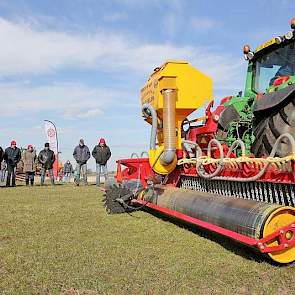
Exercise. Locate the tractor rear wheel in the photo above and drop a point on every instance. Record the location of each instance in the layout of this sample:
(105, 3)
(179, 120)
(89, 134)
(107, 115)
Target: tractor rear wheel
(268, 128)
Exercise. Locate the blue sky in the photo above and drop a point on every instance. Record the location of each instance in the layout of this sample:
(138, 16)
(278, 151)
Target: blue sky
(81, 63)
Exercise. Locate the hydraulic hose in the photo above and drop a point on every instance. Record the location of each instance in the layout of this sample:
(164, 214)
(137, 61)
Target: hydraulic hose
(169, 97)
(149, 111)
(186, 143)
(237, 143)
(199, 167)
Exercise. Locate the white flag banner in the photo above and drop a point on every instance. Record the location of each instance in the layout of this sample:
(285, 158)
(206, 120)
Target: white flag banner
(51, 135)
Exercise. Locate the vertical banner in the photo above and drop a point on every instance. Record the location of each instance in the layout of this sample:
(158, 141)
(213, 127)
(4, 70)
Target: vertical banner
(51, 135)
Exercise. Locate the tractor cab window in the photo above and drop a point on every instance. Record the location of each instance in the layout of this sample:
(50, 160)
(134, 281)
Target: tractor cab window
(272, 65)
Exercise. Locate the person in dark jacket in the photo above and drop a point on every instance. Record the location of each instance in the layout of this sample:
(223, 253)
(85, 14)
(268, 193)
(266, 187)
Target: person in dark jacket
(46, 158)
(29, 160)
(81, 155)
(67, 170)
(101, 153)
(1, 155)
(2, 170)
(12, 156)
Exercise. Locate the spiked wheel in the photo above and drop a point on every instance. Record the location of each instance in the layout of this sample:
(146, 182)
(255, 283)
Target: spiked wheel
(111, 195)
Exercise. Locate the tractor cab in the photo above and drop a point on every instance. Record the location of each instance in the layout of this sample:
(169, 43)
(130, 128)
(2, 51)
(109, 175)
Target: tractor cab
(265, 111)
(274, 67)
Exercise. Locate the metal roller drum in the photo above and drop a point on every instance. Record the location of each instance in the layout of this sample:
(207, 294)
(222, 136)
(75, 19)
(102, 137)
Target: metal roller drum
(246, 217)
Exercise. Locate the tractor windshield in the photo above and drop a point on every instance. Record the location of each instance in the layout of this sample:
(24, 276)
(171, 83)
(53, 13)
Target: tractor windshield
(273, 64)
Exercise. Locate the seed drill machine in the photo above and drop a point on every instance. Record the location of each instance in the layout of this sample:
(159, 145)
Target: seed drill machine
(231, 171)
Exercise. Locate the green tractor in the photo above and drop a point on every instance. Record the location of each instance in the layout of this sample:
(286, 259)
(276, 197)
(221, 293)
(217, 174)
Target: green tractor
(267, 109)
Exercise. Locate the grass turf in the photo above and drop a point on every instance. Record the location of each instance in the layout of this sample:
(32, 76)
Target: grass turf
(59, 240)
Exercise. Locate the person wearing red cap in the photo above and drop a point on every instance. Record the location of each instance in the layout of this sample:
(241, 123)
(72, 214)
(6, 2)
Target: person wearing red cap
(29, 160)
(101, 153)
(12, 156)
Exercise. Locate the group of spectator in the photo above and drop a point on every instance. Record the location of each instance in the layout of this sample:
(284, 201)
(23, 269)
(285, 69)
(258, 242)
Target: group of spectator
(101, 153)
(46, 158)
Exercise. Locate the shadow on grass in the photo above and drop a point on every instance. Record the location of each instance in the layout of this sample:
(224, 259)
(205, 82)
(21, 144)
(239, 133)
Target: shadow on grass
(226, 242)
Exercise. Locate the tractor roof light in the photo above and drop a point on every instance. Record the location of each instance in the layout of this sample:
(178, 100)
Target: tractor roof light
(248, 54)
(289, 35)
(293, 23)
(279, 39)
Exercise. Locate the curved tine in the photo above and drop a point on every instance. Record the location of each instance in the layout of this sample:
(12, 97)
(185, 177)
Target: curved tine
(144, 153)
(134, 155)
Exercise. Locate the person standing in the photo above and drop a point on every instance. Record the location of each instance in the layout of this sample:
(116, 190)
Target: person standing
(2, 165)
(1, 155)
(101, 153)
(81, 155)
(3, 171)
(46, 157)
(29, 159)
(12, 156)
(60, 174)
(68, 170)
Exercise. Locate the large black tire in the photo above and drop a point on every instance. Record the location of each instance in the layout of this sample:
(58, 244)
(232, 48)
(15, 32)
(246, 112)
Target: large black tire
(269, 127)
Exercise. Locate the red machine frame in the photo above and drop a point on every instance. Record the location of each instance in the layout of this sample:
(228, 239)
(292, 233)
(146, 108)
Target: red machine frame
(140, 169)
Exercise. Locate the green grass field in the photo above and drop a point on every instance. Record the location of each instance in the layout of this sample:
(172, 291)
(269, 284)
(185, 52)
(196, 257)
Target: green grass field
(60, 241)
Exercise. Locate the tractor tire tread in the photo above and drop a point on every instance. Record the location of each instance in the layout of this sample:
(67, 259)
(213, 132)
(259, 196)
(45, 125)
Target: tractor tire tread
(268, 129)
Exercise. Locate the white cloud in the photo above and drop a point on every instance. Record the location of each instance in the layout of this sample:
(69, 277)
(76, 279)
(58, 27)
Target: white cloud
(91, 113)
(203, 24)
(69, 100)
(25, 50)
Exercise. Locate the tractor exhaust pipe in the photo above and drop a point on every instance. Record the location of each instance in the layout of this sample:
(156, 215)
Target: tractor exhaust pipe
(169, 132)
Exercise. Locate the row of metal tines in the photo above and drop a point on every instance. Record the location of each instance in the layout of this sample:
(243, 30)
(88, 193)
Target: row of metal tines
(268, 192)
